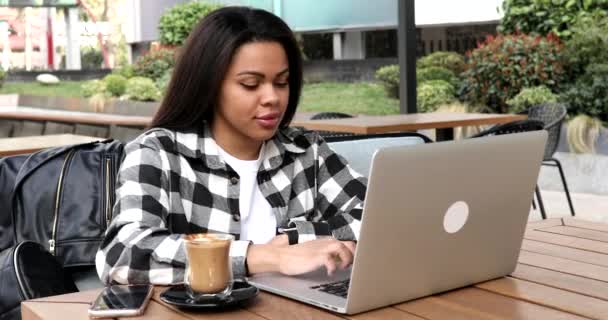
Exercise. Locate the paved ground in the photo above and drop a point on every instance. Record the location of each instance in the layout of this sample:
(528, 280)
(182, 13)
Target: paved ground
(587, 206)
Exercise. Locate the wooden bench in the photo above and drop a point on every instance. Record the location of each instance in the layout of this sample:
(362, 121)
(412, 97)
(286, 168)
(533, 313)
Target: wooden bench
(22, 121)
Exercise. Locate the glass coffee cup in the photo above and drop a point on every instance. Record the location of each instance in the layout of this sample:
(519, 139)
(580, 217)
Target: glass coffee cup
(208, 265)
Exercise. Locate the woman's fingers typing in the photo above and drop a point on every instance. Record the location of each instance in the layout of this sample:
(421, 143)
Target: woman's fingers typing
(342, 253)
(351, 245)
(330, 264)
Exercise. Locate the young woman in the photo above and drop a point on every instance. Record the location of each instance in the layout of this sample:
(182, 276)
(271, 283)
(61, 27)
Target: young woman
(220, 157)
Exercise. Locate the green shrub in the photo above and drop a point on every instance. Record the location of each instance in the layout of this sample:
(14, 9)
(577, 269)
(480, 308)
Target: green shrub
(547, 16)
(501, 66)
(389, 78)
(434, 93)
(435, 73)
(588, 44)
(449, 60)
(127, 71)
(589, 95)
(163, 82)
(115, 84)
(2, 77)
(528, 97)
(93, 87)
(154, 64)
(91, 58)
(142, 89)
(175, 24)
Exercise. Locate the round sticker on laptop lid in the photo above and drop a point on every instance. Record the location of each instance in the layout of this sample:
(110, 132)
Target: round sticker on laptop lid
(455, 217)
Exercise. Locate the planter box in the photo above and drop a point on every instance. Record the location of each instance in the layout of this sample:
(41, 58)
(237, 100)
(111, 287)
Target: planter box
(113, 106)
(70, 75)
(24, 127)
(344, 70)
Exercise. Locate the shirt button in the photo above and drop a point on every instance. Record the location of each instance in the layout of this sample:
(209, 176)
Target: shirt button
(234, 180)
(236, 217)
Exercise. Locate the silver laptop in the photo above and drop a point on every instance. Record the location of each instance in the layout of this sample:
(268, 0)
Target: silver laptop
(436, 217)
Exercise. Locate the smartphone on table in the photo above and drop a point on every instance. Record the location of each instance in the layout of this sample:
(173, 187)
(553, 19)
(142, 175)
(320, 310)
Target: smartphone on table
(121, 301)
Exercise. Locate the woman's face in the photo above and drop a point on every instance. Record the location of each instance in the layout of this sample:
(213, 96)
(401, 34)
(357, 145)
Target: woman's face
(253, 96)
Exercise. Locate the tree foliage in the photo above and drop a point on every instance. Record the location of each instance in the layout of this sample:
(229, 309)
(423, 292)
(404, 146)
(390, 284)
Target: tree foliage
(547, 16)
(175, 24)
(503, 65)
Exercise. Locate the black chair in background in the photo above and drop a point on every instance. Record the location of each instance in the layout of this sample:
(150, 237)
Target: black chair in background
(511, 127)
(515, 127)
(552, 115)
(390, 135)
(331, 115)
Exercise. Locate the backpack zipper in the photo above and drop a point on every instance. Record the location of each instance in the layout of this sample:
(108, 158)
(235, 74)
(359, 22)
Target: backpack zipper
(64, 166)
(108, 187)
(22, 292)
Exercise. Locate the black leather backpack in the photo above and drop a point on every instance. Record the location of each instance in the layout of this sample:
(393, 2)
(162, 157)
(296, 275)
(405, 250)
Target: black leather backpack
(61, 198)
(55, 206)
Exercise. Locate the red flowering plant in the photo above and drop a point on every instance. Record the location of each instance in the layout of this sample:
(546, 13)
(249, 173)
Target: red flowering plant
(154, 63)
(502, 65)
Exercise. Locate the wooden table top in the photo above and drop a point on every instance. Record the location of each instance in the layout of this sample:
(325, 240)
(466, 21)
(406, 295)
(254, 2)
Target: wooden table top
(562, 274)
(21, 145)
(362, 124)
(406, 122)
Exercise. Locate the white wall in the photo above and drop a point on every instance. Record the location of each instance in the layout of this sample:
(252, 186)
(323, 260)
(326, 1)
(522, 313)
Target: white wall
(450, 12)
(142, 18)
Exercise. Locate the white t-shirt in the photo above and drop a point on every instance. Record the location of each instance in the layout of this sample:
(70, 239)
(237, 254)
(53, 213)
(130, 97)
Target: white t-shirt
(258, 223)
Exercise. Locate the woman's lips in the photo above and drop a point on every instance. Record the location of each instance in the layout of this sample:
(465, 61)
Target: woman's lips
(268, 121)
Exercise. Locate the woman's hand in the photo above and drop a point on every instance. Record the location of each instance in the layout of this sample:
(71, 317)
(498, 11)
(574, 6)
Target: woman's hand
(300, 258)
(309, 256)
(280, 240)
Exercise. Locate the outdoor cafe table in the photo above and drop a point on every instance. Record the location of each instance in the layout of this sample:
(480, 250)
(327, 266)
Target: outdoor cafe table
(562, 274)
(443, 123)
(21, 145)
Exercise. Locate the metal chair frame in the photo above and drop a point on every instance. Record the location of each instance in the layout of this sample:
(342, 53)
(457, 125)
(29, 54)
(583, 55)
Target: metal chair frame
(552, 115)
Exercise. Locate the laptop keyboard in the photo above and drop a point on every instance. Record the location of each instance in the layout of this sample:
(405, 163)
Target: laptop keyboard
(339, 288)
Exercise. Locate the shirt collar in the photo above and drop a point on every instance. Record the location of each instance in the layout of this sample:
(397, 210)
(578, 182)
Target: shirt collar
(201, 145)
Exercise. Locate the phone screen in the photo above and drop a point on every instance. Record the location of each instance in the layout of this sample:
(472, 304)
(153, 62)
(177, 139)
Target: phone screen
(126, 298)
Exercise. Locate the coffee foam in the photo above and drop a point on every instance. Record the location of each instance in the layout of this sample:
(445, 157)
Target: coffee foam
(204, 239)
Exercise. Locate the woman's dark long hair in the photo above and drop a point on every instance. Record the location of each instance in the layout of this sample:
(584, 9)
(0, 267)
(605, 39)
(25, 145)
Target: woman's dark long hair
(197, 78)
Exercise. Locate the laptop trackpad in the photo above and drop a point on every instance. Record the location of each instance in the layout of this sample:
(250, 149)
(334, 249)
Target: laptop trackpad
(300, 287)
(306, 280)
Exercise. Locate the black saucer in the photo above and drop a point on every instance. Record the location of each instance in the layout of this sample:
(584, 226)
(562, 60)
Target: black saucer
(241, 292)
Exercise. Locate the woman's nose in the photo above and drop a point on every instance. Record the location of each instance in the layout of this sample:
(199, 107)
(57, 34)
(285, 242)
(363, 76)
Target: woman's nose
(269, 95)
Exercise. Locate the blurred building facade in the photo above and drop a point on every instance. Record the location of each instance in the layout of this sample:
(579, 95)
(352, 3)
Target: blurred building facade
(347, 29)
(56, 34)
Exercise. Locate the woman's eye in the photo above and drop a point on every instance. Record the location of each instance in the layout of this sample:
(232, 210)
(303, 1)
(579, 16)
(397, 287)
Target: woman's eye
(249, 86)
(281, 84)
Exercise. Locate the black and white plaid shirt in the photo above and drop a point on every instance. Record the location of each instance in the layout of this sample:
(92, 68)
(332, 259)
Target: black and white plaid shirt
(174, 183)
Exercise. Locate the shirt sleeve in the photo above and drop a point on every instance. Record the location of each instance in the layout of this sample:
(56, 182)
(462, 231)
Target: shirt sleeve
(138, 246)
(339, 200)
